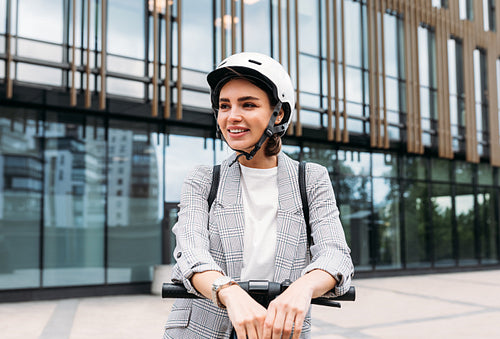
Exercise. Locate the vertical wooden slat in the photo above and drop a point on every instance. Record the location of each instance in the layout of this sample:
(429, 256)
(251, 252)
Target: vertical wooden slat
(336, 72)
(440, 97)
(493, 104)
(222, 28)
(328, 72)
(409, 79)
(233, 26)
(371, 76)
(8, 51)
(73, 54)
(288, 37)
(102, 94)
(88, 100)
(298, 127)
(179, 59)
(385, 142)
(345, 134)
(242, 25)
(279, 32)
(154, 103)
(168, 60)
(419, 148)
(377, 73)
(289, 61)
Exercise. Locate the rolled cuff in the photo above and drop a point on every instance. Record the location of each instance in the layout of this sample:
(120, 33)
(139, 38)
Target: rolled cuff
(185, 268)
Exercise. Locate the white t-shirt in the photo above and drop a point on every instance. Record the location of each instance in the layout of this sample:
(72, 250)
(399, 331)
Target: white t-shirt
(260, 205)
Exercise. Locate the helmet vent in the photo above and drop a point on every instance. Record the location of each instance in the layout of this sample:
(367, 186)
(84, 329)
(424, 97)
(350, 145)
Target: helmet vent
(255, 62)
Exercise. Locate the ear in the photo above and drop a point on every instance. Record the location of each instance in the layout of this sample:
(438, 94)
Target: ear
(280, 117)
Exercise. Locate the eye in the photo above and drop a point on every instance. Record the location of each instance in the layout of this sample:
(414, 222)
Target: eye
(249, 105)
(223, 106)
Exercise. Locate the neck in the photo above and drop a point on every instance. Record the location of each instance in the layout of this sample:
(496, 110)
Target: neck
(260, 160)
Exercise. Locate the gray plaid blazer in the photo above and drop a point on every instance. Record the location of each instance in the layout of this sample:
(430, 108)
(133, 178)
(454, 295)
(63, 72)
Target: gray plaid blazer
(219, 246)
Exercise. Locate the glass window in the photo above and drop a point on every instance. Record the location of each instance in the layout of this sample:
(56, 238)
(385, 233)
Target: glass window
(180, 161)
(134, 228)
(353, 33)
(353, 163)
(33, 16)
(259, 11)
(489, 15)
(441, 170)
(385, 165)
(197, 37)
(488, 226)
(463, 172)
(125, 28)
(308, 26)
(321, 154)
(21, 162)
(354, 202)
(457, 94)
(428, 84)
(485, 174)
(415, 168)
(417, 232)
(464, 202)
(395, 77)
(441, 211)
(481, 104)
(74, 201)
(386, 222)
(466, 10)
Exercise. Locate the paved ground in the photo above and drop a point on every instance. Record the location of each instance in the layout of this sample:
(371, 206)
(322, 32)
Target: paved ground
(454, 305)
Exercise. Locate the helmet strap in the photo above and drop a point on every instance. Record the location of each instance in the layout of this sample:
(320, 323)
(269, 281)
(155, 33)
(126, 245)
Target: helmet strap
(268, 132)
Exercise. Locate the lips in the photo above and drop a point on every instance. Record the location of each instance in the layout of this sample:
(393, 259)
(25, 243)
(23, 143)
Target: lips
(237, 130)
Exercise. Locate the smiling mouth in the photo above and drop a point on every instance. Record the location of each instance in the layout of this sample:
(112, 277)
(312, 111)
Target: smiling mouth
(236, 131)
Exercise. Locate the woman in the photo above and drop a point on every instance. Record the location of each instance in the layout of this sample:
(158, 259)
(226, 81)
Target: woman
(255, 228)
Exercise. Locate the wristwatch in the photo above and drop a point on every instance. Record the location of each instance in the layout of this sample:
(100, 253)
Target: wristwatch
(219, 284)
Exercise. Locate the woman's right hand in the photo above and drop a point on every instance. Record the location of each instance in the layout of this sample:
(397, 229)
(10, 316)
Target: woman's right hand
(246, 315)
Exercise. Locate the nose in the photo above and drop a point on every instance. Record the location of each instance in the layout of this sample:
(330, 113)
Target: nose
(234, 114)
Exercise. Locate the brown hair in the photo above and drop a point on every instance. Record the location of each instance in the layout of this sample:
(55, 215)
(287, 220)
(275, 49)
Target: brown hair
(273, 145)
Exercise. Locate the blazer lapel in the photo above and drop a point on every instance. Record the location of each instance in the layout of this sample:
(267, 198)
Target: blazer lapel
(230, 217)
(290, 220)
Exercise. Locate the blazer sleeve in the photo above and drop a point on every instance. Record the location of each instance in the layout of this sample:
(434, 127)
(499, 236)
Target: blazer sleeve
(330, 251)
(192, 251)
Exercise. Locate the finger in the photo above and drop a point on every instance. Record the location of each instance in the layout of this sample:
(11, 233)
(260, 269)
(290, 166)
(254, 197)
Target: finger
(288, 325)
(251, 332)
(268, 323)
(279, 320)
(240, 332)
(299, 322)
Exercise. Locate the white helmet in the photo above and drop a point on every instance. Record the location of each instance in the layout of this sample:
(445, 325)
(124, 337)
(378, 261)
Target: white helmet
(262, 70)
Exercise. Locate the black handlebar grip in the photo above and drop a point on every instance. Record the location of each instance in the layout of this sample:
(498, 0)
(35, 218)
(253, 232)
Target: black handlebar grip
(348, 296)
(170, 290)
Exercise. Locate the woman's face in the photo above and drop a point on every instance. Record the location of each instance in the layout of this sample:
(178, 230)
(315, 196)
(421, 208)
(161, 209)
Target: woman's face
(244, 112)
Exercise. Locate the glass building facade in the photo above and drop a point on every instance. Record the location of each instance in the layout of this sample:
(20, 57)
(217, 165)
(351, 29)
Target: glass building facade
(104, 109)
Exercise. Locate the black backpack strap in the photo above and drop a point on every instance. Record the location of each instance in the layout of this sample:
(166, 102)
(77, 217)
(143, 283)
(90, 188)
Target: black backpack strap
(303, 197)
(214, 187)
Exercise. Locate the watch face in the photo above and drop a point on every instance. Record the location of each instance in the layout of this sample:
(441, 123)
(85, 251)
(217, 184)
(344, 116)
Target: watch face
(221, 281)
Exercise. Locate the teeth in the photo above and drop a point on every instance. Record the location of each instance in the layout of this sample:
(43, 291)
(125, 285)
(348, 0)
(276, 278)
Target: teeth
(236, 130)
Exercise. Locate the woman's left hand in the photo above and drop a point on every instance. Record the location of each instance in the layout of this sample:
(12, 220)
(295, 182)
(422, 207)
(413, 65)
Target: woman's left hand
(288, 311)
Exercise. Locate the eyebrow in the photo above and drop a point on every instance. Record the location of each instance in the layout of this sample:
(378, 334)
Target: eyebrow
(249, 97)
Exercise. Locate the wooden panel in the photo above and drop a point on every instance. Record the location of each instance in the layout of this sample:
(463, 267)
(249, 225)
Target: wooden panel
(329, 73)
(168, 61)
(102, 93)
